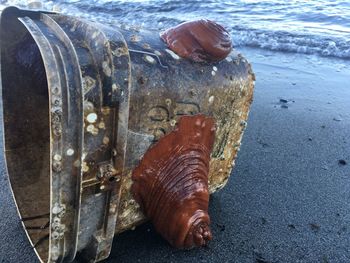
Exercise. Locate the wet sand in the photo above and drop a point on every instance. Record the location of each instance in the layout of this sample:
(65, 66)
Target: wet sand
(288, 199)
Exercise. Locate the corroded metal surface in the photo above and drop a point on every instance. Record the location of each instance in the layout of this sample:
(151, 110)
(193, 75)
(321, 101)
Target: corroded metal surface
(82, 104)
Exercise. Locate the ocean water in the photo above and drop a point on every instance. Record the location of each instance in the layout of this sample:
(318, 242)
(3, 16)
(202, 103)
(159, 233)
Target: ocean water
(319, 27)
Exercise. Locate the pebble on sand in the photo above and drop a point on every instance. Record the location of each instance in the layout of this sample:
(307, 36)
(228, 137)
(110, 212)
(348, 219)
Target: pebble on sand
(342, 162)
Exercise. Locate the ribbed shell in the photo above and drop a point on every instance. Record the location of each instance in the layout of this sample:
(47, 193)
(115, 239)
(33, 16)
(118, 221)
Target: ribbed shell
(201, 40)
(171, 182)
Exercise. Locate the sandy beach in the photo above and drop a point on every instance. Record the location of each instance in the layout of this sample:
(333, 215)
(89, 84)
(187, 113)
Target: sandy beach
(288, 198)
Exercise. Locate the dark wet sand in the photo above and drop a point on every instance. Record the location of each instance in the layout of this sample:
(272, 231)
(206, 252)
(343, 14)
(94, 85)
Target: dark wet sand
(288, 199)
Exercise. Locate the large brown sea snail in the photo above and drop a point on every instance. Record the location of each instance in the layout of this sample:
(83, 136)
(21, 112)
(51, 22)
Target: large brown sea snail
(171, 182)
(201, 41)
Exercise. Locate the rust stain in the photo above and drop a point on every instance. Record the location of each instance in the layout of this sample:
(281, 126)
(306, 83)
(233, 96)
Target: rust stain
(171, 182)
(201, 40)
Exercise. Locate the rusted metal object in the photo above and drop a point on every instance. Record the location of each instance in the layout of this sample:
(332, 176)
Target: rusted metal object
(82, 104)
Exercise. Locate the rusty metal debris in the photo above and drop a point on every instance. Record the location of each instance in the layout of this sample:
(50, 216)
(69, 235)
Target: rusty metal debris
(82, 103)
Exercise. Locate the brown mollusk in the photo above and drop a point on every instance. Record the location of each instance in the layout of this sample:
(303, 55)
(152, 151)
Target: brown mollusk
(171, 182)
(201, 41)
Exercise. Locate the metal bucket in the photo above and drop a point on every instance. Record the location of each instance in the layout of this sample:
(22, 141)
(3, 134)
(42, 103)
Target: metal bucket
(82, 102)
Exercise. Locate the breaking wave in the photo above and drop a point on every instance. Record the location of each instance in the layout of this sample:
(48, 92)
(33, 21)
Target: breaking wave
(312, 27)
